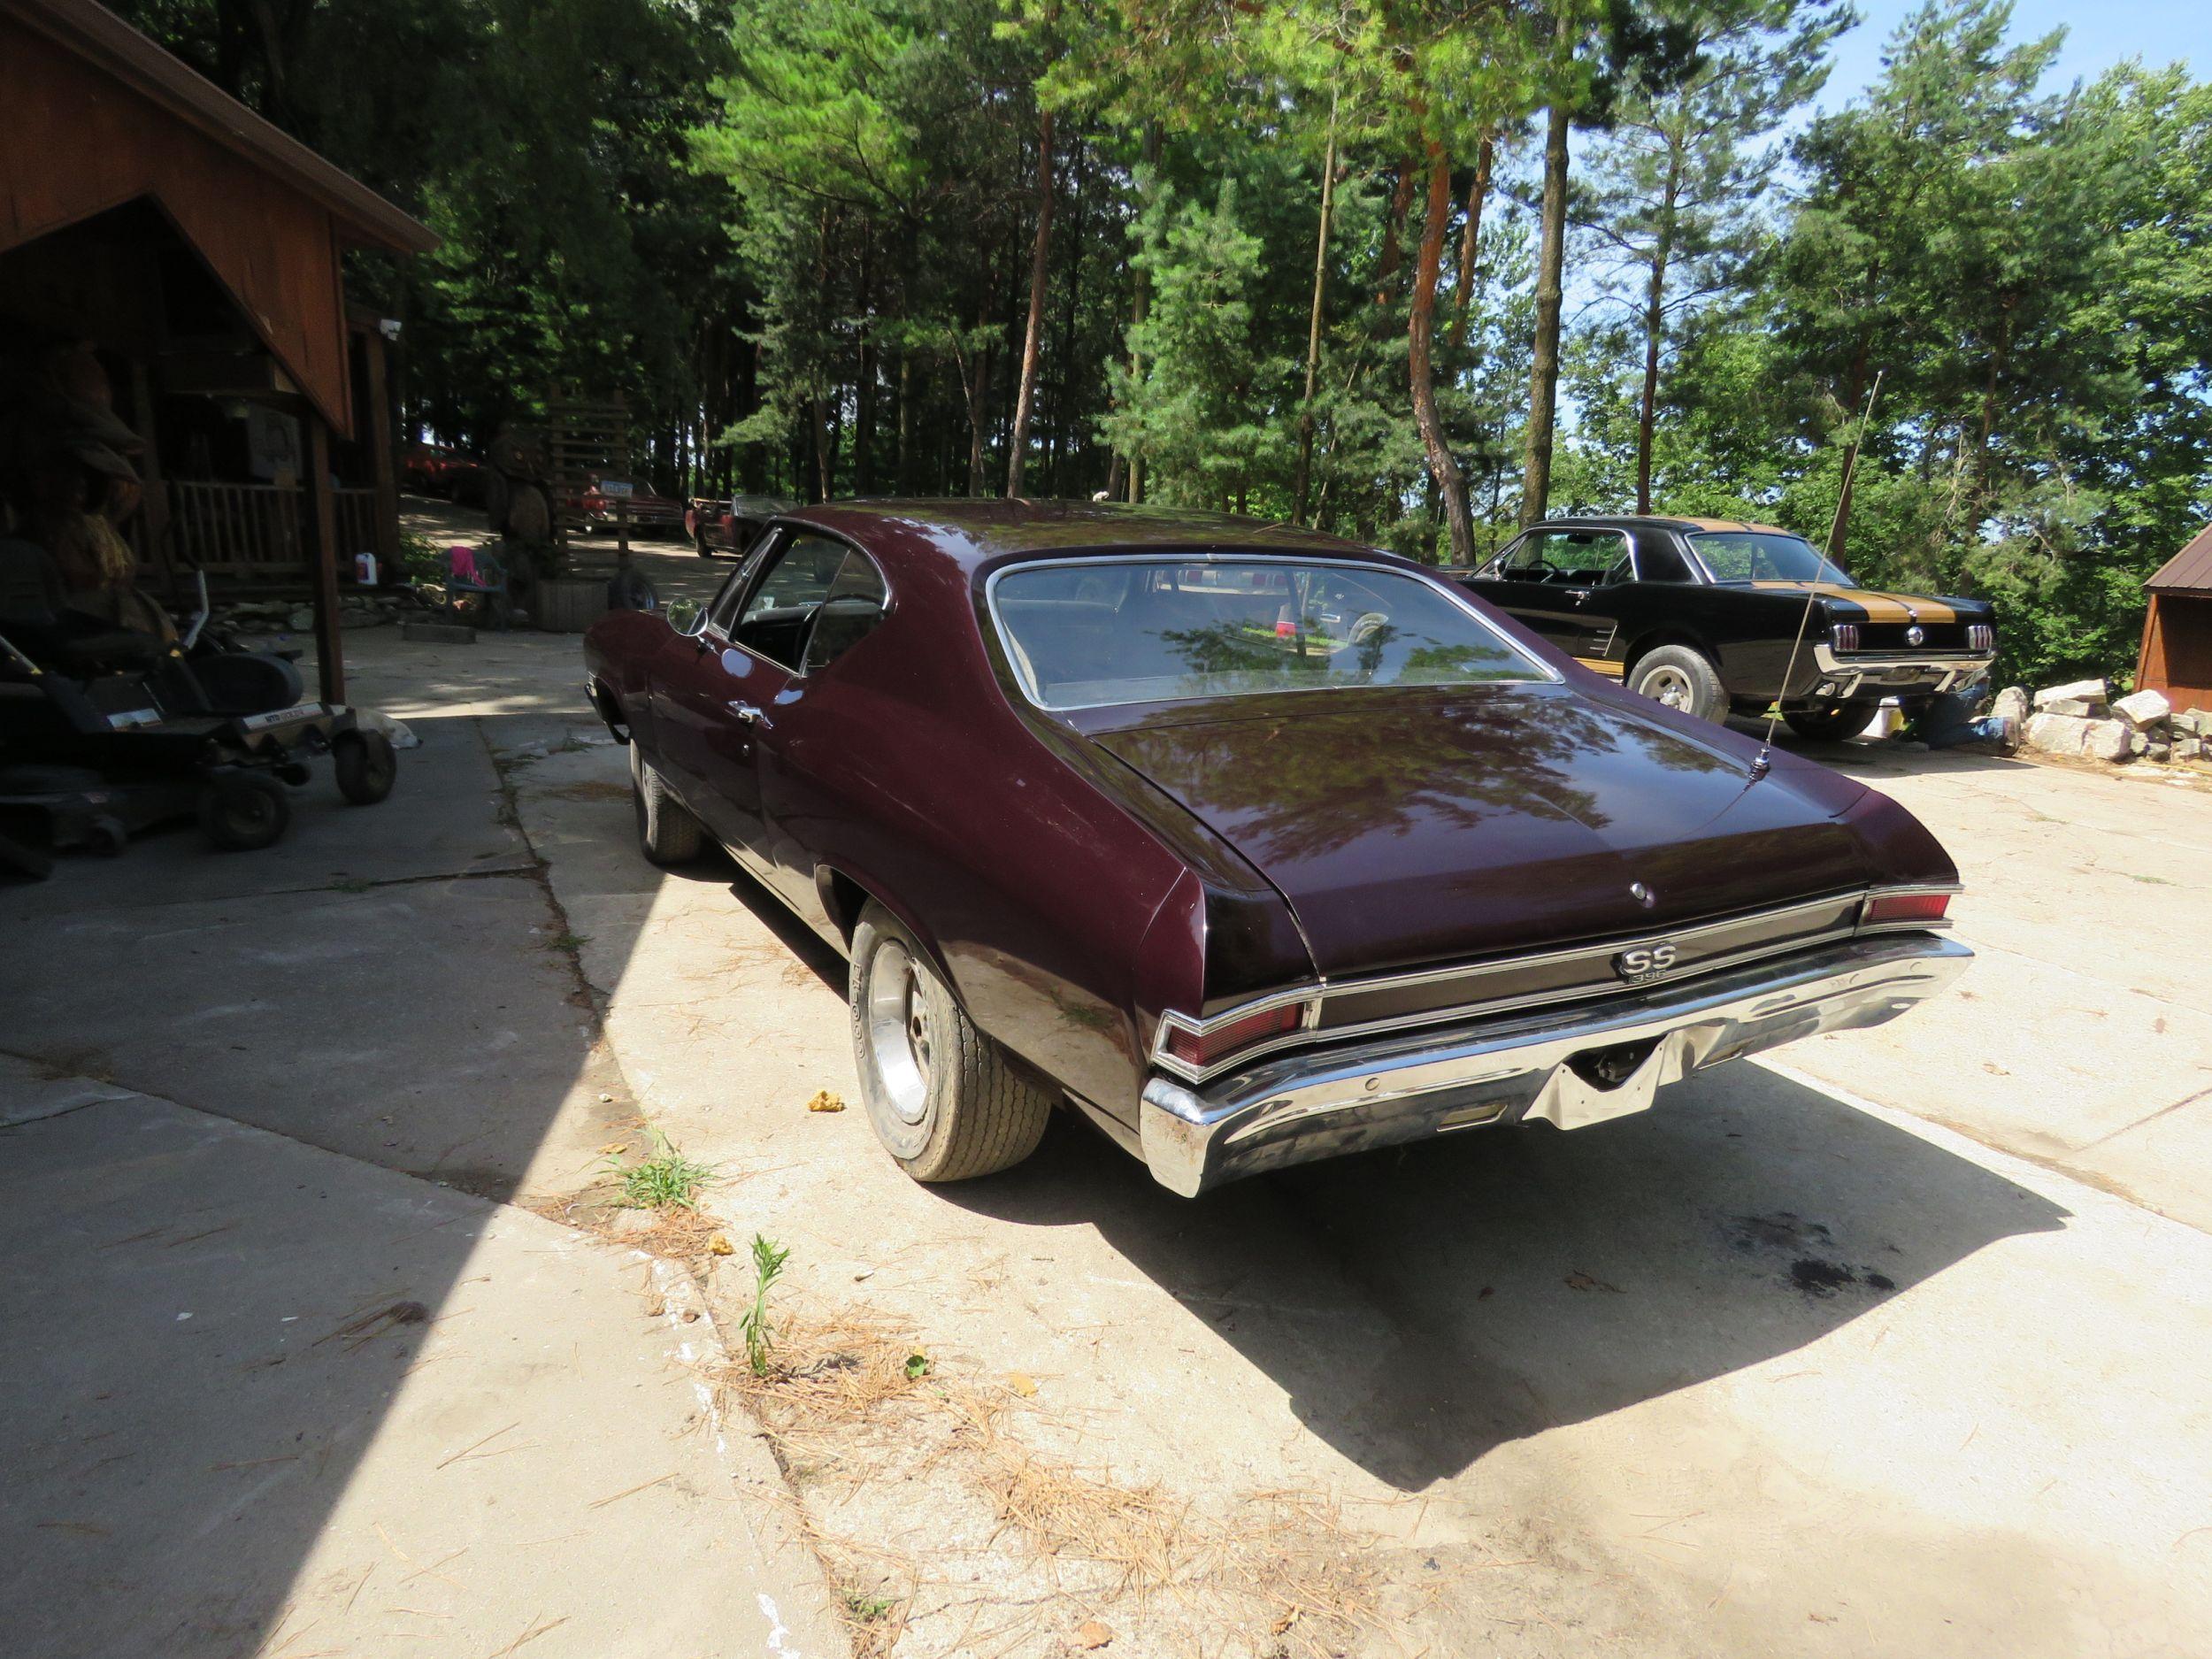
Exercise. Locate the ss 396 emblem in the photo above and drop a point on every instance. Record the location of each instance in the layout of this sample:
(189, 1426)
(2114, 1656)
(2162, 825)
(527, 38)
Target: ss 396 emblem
(1640, 964)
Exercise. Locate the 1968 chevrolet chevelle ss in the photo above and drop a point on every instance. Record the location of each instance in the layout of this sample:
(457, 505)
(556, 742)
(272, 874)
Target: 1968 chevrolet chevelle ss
(1253, 845)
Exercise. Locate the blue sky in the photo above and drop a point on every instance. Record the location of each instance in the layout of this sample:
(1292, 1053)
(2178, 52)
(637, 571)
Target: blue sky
(2098, 36)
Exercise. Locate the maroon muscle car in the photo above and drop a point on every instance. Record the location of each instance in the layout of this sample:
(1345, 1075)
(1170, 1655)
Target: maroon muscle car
(1252, 845)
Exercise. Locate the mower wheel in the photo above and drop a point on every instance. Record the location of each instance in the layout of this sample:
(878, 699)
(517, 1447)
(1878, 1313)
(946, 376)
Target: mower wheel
(365, 766)
(243, 811)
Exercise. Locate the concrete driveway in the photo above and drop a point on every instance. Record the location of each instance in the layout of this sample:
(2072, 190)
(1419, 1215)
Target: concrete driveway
(1895, 1346)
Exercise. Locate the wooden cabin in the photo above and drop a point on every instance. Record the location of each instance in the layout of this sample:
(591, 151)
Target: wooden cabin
(171, 261)
(2176, 652)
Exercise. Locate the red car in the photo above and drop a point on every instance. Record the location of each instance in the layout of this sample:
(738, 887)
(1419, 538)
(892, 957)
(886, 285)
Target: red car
(433, 469)
(729, 524)
(611, 502)
(1251, 845)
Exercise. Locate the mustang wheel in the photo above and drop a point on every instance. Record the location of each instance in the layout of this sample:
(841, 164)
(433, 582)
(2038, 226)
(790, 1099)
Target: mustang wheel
(1832, 724)
(944, 1099)
(1681, 678)
(666, 830)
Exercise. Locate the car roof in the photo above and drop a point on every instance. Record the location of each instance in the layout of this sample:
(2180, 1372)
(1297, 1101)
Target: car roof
(1656, 520)
(974, 532)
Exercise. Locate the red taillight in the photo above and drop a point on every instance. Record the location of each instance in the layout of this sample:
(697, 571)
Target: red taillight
(1202, 1050)
(1285, 628)
(1905, 907)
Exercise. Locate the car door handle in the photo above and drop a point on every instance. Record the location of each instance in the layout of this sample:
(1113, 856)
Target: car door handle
(1579, 593)
(750, 714)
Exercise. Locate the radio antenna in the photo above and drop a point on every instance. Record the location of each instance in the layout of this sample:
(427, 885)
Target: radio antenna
(1761, 762)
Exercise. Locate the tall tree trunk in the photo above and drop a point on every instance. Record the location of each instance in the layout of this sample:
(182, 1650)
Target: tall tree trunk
(1471, 242)
(1313, 322)
(1393, 248)
(1855, 387)
(1033, 333)
(906, 422)
(1420, 339)
(1648, 411)
(864, 394)
(1140, 308)
(1064, 435)
(1543, 380)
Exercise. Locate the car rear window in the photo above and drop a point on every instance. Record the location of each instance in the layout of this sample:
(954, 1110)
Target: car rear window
(1764, 555)
(1146, 630)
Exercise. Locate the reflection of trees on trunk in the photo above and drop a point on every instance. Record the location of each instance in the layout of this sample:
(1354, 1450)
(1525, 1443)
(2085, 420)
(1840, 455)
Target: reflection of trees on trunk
(1296, 788)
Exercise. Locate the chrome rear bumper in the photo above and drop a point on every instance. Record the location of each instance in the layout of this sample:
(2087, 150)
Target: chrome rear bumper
(1571, 1066)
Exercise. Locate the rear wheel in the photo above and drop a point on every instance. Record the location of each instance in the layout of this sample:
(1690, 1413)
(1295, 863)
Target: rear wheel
(1682, 679)
(944, 1099)
(243, 811)
(667, 832)
(1833, 723)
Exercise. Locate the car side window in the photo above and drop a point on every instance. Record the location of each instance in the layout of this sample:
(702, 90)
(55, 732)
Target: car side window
(1562, 555)
(1623, 568)
(849, 615)
(798, 579)
(722, 610)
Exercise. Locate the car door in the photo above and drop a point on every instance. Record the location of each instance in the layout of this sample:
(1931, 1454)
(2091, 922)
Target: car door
(720, 701)
(810, 756)
(1548, 576)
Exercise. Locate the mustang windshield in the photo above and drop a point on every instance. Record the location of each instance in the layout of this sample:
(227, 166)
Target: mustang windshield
(1145, 630)
(1762, 556)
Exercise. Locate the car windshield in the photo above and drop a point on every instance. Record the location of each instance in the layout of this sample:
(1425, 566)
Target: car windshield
(1145, 630)
(1765, 556)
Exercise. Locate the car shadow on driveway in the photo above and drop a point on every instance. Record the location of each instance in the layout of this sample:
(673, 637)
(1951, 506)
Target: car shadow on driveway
(1423, 1305)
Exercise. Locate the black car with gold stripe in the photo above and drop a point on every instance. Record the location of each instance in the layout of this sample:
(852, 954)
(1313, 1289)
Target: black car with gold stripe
(1705, 616)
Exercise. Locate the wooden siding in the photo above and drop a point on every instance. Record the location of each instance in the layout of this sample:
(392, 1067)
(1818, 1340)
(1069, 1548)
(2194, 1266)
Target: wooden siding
(74, 143)
(2176, 654)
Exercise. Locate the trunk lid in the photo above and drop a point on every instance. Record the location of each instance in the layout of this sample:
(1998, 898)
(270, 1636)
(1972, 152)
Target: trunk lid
(1429, 826)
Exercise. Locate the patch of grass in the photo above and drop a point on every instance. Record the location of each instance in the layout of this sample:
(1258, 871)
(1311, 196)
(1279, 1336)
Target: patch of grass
(768, 1260)
(867, 1609)
(352, 884)
(667, 1180)
(569, 942)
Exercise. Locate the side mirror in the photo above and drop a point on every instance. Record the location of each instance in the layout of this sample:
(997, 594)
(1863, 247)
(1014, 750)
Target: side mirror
(685, 616)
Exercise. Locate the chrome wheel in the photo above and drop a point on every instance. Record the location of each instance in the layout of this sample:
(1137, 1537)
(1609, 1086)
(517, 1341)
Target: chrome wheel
(1669, 685)
(900, 1038)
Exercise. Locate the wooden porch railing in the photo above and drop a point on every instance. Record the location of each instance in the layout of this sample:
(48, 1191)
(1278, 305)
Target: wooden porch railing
(256, 531)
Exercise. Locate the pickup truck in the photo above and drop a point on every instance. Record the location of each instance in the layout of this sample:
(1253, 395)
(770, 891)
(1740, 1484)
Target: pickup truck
(1716, 617)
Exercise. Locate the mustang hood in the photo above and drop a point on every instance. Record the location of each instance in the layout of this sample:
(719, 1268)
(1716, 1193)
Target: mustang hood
(1428, 826)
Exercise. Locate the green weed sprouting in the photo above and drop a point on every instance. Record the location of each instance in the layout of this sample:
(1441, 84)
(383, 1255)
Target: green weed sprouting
(768, 1260)
(667, 1180)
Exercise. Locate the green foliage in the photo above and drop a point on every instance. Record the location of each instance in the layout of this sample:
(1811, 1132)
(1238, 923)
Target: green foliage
(667, 1180)
(768, 1260)
(796, 233)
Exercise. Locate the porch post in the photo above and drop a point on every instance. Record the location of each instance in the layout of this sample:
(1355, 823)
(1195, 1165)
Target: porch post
(323, 569)
(380, 455)
(153, 502)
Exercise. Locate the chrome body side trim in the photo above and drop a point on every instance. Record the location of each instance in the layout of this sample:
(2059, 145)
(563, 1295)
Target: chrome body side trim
(1817, 921)
(1603, 1061)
